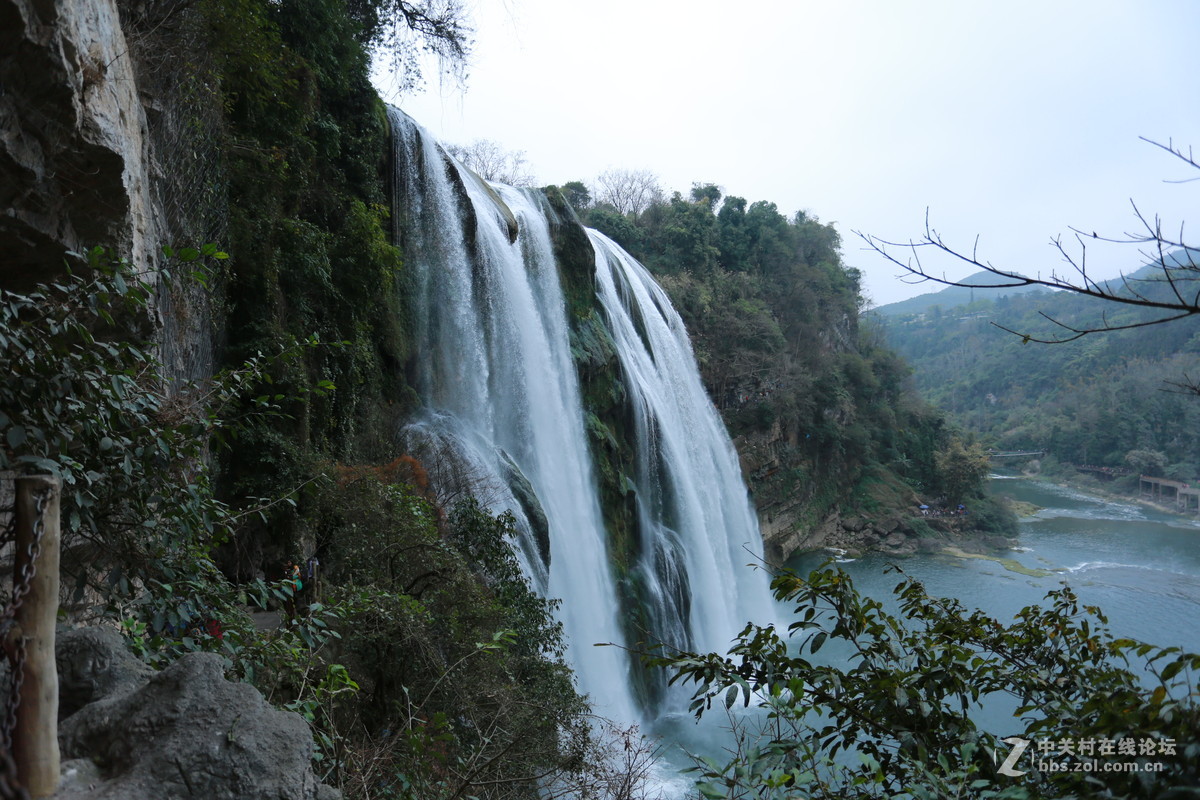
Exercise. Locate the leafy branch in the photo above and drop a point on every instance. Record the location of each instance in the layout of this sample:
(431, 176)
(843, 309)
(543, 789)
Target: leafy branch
(900, 692)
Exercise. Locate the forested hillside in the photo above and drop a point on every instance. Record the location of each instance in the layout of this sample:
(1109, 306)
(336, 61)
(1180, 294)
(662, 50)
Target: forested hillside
(1119, 399)
(822, 409)
(195, 488)
(960, 294)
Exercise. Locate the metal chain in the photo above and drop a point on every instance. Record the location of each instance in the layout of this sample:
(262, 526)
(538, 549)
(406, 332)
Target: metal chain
(22, 583)
(15, 652)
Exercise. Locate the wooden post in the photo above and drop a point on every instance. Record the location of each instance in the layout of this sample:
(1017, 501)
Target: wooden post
(35, 738)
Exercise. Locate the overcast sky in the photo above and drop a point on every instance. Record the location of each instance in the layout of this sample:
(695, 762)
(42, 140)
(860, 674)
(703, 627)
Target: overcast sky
(1012, 121)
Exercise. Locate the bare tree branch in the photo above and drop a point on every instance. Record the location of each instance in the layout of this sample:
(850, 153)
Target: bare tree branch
(1188, 385)
(490, 161)
(629, 191)
(1178, 270)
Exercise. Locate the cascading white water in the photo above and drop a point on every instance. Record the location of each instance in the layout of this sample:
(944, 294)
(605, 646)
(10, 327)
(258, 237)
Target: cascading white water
(702, 531)
(497, 376)
(500, 389)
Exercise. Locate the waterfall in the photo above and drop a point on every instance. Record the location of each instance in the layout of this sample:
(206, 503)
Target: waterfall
(692, 501)
(502, 399)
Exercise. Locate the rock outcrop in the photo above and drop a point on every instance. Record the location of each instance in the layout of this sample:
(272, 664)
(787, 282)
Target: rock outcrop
(79, 166)
(93, 663)
(73, 155)
(183, 732)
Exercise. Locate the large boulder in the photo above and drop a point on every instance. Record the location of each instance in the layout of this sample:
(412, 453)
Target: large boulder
(94, 663)
(187, 732)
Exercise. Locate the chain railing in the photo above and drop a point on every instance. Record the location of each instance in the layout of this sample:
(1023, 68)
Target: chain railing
(14, 646)
(29, 758)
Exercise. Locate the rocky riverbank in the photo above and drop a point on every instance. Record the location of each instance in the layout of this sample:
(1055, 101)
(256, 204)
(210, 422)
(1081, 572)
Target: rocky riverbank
(894, 535)
(1106, 489)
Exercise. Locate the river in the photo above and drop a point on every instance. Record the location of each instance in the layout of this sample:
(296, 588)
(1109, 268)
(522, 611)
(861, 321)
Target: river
(1141, 567)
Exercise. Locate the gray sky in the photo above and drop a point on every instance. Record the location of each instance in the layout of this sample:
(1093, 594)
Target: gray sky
(1012, 120)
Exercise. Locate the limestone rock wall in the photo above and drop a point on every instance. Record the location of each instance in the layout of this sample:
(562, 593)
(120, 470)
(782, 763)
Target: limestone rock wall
(798, 511)
(74, 163)
(82, 164)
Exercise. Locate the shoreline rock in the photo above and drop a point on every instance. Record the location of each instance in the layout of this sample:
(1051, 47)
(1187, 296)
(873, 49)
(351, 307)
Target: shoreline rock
(891, 535)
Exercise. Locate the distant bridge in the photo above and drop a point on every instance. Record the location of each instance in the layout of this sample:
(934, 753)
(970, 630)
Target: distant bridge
(1185, 498)
(1017, 454)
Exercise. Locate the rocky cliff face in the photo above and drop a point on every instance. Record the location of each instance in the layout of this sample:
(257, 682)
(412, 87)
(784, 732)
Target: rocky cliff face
(78, 164)
(800, 510)
(74, 164)
(78, 170)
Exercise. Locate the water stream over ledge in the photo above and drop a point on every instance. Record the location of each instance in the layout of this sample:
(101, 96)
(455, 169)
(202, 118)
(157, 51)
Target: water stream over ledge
(501, 397)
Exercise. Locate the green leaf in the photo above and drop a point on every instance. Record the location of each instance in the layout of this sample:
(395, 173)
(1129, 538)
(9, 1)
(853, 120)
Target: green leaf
(42, 463)
(16, 436)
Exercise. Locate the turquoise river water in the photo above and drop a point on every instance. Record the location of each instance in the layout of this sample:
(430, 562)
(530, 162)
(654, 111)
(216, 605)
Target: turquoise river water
(1141, 567)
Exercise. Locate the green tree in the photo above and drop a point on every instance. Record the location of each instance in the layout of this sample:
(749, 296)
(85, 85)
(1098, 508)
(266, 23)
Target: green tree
(891, 712)
(961, 469)
(576, 193)
(771, 250)
(681, 235)
(1147, 462)
(708, 194)
(616, 226)
(733, 238)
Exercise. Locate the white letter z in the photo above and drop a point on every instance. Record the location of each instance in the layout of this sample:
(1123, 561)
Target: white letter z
(1019, 746)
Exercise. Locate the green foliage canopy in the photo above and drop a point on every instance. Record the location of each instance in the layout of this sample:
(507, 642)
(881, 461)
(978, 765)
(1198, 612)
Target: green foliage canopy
(773, 313)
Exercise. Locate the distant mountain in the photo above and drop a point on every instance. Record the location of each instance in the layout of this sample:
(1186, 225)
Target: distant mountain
(1187, 259)
(1105, 399)
(953, 296)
